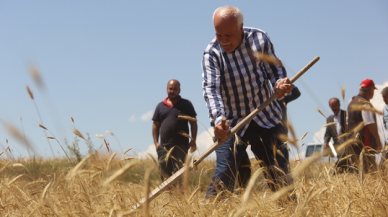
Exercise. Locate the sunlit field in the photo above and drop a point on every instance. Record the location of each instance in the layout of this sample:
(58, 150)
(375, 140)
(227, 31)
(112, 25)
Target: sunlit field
(103, 182)
(110, 184)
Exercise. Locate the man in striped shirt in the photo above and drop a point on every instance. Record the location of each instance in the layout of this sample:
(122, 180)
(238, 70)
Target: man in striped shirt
(235, 82)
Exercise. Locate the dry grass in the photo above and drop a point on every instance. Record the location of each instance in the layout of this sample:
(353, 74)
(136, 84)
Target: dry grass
(102, 185)
(92, 188)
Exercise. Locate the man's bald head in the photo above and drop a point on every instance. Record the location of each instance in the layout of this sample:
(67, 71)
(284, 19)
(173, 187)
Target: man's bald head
(334, 100)
(229, 12)
(334, 104)
(228, 25)
(173, 89)
(173, 81)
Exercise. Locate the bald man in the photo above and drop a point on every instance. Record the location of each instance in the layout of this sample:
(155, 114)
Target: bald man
(335, 131)
(235, 82)
(169, 126)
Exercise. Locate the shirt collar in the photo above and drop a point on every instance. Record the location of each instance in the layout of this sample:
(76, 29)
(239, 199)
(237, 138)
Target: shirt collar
(168, 104)
(338, 116)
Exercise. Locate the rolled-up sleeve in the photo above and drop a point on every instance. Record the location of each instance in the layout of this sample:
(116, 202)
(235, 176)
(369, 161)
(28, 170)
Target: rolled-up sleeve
(211, 85)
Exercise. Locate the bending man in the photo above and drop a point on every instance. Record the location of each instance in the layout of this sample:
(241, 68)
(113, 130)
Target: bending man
(234, 84)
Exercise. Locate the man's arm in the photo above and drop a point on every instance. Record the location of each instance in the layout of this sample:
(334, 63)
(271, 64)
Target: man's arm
(155, 133)
(373, 130)
(295, 94)
(211, 85)
(327, 137)
(193, 129)
(276, 72)
(370, 123)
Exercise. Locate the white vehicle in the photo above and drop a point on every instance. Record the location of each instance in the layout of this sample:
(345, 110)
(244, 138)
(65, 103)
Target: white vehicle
(313, 148)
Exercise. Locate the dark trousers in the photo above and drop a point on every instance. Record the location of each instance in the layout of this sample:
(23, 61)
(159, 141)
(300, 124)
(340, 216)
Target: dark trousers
(169, 166)
(342, 165)
(229, 157)
(368, 159)
(244, 170)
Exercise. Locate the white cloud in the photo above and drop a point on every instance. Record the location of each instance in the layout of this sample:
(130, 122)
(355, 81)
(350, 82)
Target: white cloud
(150, 150)
(147, 116)
(204, 141)
(319, 135)
(377, 100)
(132, 118)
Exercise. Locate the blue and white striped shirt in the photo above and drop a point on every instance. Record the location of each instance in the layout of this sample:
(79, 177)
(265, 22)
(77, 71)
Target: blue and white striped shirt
(236, 83)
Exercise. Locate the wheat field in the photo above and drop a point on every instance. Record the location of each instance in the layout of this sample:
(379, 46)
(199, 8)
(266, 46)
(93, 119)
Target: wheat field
(108, 183)
(104, 184)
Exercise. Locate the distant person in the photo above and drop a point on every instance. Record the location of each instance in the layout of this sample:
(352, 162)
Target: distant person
(335, 131)
(384, 93)
(368, 135)
(167, 125)
(234, 84)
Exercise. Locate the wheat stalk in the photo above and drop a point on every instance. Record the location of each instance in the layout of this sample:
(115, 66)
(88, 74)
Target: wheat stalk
(185, 135)
(250, 185)
(110, 160)
(168, 155)
(107, 145)
(128, 158)
(15, 179)
(73, 172)
(269, 59)
(186, 117)
(127, 151)
(45, 191)
(120, 172)
(34, 72)
(366, 108)
(30, 93)
(329, 124)
(304, 135)
(321, 112)
(78, 133)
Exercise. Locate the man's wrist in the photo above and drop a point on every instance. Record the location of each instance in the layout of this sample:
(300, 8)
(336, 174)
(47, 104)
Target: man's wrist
(218, 120)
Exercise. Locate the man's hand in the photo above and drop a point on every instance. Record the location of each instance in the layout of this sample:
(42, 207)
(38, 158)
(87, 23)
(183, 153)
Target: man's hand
(282, 87)
(157, 144)
(193, 146)
(220, 132)
(325, 146)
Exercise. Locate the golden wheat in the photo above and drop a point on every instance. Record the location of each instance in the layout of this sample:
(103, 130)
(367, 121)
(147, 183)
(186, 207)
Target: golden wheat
(78, 133)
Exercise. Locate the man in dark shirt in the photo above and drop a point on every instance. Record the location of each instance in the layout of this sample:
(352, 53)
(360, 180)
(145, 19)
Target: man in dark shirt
(171, 128)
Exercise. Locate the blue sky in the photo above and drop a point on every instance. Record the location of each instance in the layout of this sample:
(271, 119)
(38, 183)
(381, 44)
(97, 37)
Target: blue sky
(106, 64)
